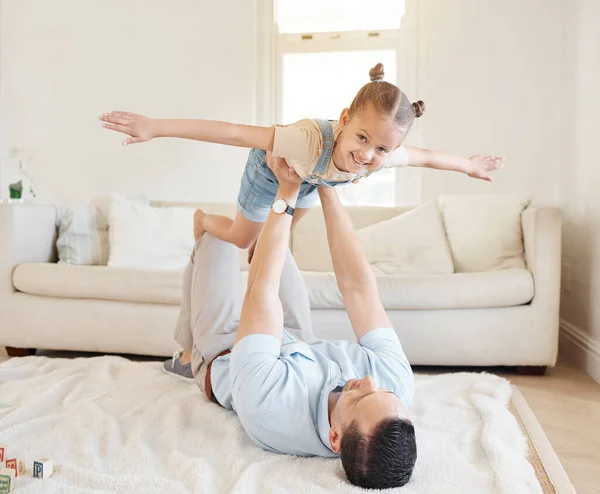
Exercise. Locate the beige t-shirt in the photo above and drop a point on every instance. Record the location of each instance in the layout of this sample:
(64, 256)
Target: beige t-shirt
(301, 144)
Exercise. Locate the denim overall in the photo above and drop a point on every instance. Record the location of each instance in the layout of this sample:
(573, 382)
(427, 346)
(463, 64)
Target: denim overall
(259, 184)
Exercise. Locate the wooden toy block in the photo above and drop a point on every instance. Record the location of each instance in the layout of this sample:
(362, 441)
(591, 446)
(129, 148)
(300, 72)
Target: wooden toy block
(2, 450)
(17, 464)
(7, 480)
(42, 469)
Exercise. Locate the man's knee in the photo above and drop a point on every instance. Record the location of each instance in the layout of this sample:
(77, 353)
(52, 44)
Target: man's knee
(212, 246)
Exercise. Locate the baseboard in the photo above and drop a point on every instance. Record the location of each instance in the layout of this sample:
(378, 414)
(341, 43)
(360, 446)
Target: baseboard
(580, 348)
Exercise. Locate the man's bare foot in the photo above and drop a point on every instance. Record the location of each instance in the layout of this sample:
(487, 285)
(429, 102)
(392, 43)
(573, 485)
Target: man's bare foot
(185, 357)
(199, 223)
(251, 251)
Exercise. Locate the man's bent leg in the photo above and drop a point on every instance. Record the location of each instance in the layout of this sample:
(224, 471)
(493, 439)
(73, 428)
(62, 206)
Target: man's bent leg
(183, 328)
(215, 299)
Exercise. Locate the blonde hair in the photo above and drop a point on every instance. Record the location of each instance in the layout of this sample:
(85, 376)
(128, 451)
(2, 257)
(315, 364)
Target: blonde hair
(387, 100)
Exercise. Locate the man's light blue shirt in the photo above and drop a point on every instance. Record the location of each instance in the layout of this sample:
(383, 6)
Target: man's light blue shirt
(280, 391)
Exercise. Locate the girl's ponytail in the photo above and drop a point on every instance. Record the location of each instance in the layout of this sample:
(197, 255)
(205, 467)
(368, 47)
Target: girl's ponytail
(387, 99)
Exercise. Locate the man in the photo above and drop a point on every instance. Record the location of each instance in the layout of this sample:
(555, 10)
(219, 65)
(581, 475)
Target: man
(295, 394)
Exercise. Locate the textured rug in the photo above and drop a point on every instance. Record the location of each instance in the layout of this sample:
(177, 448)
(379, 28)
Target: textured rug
(113, 425)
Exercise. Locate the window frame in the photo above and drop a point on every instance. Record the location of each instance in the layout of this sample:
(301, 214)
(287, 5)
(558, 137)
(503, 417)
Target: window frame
(271, 46)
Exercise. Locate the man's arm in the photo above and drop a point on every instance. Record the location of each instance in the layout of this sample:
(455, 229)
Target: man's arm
(355, 278)
(477, 166)
(261, 311)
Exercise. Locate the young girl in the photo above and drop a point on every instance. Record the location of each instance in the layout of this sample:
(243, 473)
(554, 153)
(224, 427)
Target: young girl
(322, 153)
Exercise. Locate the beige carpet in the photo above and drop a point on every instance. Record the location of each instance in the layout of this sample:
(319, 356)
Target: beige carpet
(551, 475)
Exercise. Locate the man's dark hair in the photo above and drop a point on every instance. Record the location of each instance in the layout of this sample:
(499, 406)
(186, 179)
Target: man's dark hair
(382, 459)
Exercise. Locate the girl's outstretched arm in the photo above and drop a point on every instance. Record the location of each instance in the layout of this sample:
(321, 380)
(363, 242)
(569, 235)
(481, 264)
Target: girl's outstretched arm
(140, 129)
(477, 166)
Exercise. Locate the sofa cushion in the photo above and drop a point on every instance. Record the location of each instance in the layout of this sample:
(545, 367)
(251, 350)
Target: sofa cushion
(505, 288)
(99, 282)
(146, 237)
(454, 291)
(309, 238)
(484, 231)
(82, 235)
(412, 243)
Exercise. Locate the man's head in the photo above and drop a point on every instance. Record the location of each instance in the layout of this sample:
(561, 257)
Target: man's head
(371, 431)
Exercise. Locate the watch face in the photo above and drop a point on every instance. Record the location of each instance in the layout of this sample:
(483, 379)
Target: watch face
(279, 206)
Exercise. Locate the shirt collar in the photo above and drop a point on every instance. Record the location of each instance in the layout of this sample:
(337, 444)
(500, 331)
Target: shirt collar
(323, 424)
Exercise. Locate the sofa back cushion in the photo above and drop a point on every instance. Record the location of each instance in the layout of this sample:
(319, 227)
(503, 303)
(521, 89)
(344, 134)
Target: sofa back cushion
(146, 237)
(484, 231)
(309, 239)
(82, 235)
(411, 243)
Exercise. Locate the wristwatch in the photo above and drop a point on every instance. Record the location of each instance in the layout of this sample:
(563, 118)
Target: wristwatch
(279, 206)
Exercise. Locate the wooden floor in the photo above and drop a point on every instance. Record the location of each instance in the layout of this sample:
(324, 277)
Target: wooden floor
(566, 402)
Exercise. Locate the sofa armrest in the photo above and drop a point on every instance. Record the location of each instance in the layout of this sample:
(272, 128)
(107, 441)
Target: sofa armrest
(542, 241)
(27, 234)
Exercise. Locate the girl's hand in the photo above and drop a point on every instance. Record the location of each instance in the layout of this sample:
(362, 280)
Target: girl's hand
(481, 164)
(138, 127)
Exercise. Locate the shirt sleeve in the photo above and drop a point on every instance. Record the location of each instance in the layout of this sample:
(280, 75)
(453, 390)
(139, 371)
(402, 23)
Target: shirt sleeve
(301, 142)
(391, 360)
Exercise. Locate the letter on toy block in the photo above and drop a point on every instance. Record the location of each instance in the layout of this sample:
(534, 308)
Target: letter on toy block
(17, 465)
(2, 450)
(7, 480)
(42, 469)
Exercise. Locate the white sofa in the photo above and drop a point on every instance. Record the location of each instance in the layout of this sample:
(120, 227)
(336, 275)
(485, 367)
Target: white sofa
(503, 317)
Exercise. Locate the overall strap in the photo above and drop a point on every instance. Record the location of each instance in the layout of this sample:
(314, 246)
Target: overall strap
(327, 132)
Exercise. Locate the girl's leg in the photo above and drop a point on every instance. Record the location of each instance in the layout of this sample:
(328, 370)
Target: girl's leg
(239, 231)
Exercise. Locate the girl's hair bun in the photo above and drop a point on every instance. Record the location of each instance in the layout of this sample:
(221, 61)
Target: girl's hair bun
(418, 107)
(377, 73)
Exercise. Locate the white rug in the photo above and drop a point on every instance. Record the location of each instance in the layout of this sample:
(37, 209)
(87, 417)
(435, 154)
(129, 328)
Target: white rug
(112, 425)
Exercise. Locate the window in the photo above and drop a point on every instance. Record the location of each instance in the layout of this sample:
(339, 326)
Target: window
(324, 50)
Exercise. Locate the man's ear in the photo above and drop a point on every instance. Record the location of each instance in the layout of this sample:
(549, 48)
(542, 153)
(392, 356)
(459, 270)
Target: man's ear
(335, 439)
(344, 117)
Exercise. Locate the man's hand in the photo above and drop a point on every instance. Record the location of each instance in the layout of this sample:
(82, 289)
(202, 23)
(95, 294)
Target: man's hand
(480, 164)
(138, 127)
(283, 172)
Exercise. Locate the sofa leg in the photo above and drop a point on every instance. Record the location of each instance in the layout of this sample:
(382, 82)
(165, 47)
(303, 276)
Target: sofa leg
(19, 352)
(531, 370)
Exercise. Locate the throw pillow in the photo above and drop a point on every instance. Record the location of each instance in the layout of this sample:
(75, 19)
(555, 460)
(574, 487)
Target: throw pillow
(142, 236)
(484, 231)
(411, 243)
(82, 236)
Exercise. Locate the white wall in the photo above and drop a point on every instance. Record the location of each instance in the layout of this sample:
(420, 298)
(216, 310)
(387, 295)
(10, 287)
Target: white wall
(63, 62)
(489, 75)
(580, 182)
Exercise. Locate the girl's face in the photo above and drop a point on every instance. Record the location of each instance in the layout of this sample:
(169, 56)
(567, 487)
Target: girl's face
(366, 141)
